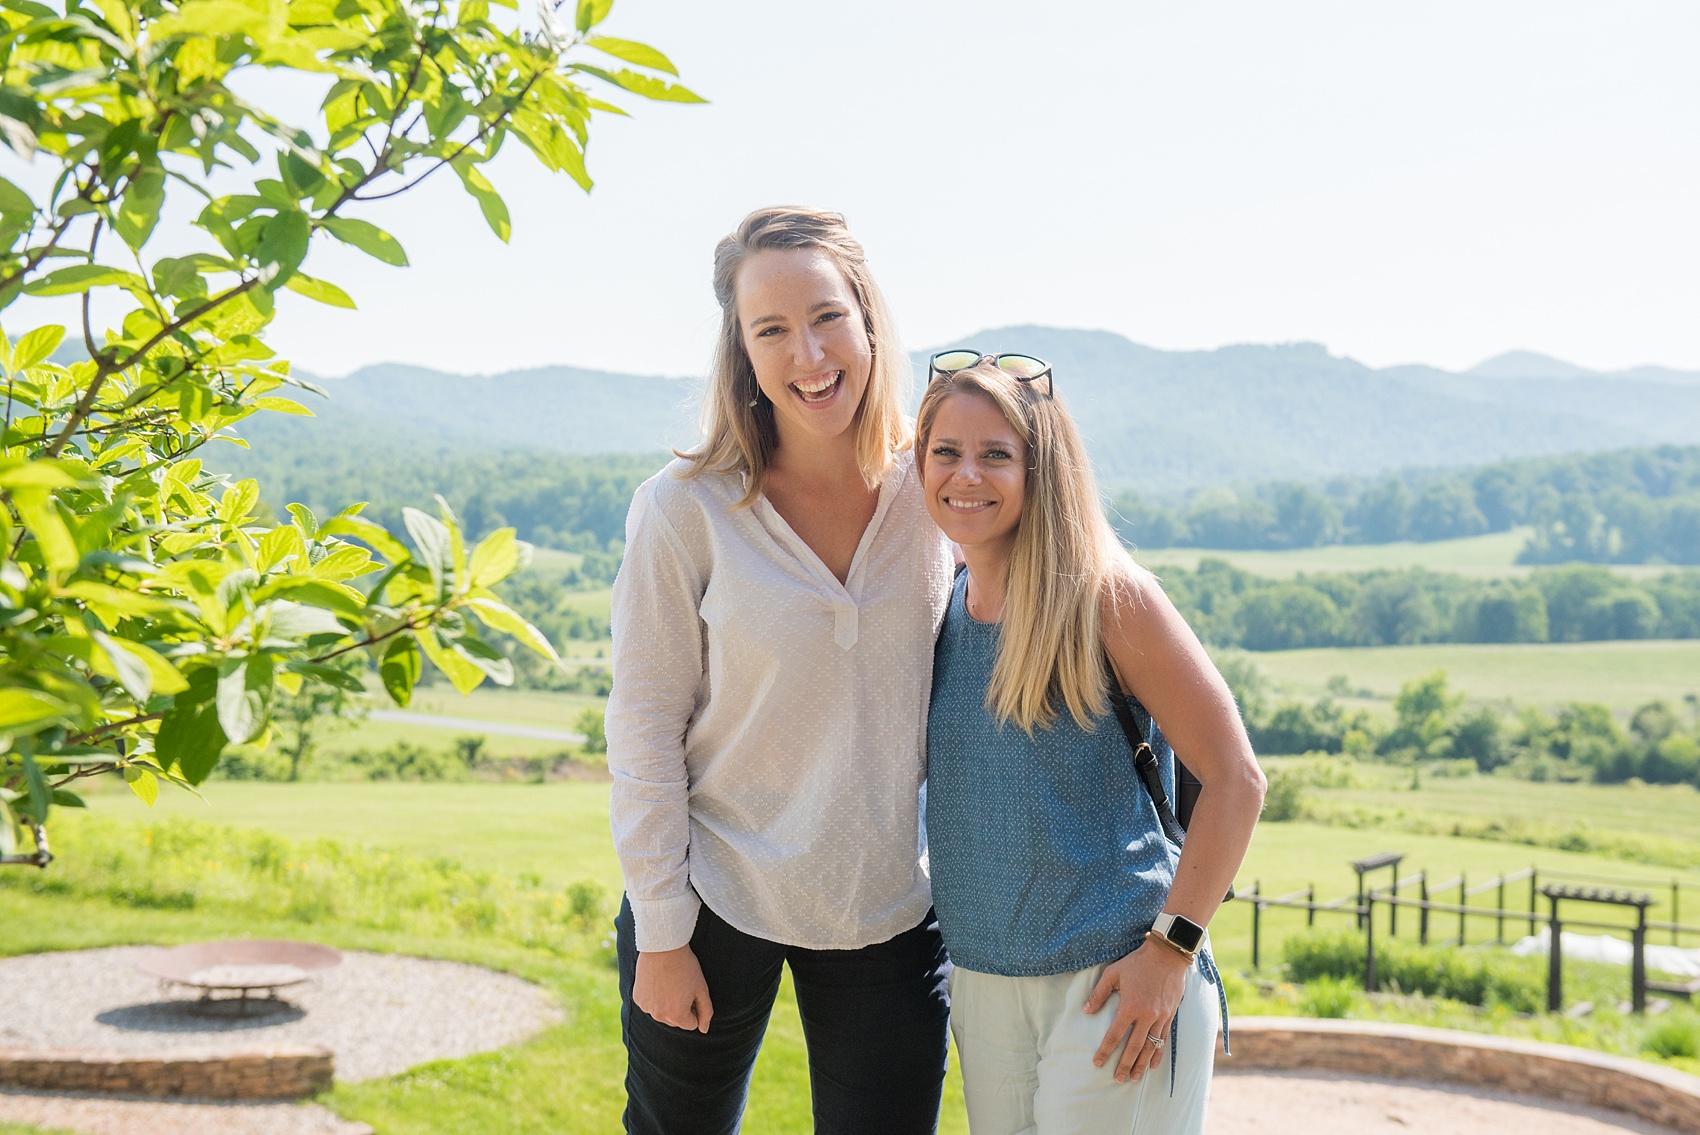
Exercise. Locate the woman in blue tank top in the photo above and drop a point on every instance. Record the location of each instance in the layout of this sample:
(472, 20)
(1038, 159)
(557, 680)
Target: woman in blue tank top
(1075, 923)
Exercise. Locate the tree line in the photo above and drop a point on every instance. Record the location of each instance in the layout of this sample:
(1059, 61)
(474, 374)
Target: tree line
(1435, 726)
(1625, 506)
(1229, 606)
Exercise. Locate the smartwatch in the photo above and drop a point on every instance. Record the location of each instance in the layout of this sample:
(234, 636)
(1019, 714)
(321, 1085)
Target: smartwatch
(1180, 930)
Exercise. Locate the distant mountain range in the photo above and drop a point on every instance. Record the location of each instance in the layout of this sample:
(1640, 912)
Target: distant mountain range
(1160, 421)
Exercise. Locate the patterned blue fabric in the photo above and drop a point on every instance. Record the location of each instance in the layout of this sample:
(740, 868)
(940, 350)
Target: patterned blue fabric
(1046, 852)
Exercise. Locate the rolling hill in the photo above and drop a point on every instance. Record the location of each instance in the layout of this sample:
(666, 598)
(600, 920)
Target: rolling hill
(1161, 421)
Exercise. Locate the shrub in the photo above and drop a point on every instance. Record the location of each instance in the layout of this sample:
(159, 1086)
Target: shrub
(1331, 997)
(1674, 1037)
(1471, 976)
(1285, 800)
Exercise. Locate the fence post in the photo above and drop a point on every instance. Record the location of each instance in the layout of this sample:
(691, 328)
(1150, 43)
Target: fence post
(1499, 929)
(1360, 900)
(1392, 907)
(1368, 910)
(1310, 911)
(1463, 902)
(1532, 893)
(1422, 911)
(1555, 962)
(1638, 965)
(1675, 911)
(1256, 919)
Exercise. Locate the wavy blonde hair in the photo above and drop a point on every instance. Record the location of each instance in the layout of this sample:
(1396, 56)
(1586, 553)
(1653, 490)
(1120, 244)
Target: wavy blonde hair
(740, 438)
(1050, 646)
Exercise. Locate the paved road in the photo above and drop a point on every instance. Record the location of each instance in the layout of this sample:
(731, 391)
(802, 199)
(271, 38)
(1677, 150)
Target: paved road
(475, 725)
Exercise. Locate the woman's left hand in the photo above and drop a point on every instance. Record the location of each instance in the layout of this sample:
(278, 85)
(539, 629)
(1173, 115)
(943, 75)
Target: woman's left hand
(1148, 984)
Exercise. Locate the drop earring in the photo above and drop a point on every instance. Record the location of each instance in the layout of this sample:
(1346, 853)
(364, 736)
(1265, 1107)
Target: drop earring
(754, 402)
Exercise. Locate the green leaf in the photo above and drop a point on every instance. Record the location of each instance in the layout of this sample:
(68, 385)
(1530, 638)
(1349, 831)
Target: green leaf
(58, 548)
(495, 210)
(333, 597)
(329, 675)
(431, 537)
(284, 405)
(278, 545)
(368, 238)
(36, 346)
(8, 828)
(239, 501)
(14, 200)
(322, 291)
(190, 738)
(462, 672)
(65, 798)
(495, 558)
(40, 792)
(143, 783)
(132, 673)
(305, 519)
(368, 532)
(81, 277)
(244, 698)
(648, 86)
(28, 711)
(500, 617)
(283, 242)
(400, 669)
(294, 621)
(138, 211)
(592, 12)
(632, 52)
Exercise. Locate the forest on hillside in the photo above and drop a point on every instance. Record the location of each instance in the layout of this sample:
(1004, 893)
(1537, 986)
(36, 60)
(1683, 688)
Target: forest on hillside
(1625, 506)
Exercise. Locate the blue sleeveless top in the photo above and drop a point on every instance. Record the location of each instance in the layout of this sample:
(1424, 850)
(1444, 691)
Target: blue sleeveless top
(1046, 852)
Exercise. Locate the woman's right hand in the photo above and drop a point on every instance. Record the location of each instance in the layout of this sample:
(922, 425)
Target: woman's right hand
(670, 988)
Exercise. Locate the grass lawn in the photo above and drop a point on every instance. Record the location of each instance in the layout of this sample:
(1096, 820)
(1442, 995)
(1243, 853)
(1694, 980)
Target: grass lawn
(558, 711)
(1492, 556)
(559, 832)
(1622, 674)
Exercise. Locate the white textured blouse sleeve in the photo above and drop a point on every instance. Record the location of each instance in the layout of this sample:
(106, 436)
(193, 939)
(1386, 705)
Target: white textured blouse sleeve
(658, 668)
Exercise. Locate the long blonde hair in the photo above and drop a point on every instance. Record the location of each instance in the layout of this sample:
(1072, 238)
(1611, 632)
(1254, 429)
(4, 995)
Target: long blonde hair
(740, 438)
(1050, 644)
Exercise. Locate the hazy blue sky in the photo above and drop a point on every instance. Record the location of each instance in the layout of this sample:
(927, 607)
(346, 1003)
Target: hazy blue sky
(1432, 182)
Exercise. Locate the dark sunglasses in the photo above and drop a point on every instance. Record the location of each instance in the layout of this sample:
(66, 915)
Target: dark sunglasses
(1022, 368)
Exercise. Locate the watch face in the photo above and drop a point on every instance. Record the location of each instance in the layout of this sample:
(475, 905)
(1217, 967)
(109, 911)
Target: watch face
(1183, 932)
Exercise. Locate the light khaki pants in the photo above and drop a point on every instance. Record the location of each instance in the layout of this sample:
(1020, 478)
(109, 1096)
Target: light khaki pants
(1026, 1047)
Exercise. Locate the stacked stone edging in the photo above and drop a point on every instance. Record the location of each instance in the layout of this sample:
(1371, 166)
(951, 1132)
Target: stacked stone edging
(1411, 1052)
(285, 1072)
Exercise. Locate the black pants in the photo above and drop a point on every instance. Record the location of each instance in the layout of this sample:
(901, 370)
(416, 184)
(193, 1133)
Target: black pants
(875, 1021)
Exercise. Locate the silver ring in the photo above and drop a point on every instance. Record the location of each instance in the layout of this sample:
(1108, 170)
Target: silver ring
(1156, 1042)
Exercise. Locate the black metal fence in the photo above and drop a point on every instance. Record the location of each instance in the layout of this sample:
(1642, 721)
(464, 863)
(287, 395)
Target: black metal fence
(1558, 887)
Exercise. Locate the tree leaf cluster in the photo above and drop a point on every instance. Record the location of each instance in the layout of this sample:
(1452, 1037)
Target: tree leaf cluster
(151, 613)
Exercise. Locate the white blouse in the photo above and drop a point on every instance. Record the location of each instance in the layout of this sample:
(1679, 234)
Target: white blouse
(767, 722)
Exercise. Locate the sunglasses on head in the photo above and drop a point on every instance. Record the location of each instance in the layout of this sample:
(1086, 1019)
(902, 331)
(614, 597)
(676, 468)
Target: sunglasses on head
(1022, 368)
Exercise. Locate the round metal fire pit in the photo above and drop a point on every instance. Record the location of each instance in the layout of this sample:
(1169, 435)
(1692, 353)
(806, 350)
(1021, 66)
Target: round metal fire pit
(242, 967)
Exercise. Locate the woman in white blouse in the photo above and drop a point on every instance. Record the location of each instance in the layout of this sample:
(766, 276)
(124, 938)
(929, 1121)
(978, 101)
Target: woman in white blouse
(773, 629)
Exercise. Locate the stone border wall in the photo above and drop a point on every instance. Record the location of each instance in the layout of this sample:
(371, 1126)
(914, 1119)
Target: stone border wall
(280, 1073)
(1410, 1052)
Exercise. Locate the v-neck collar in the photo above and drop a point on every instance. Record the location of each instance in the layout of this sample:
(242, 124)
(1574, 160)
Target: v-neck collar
(799, 547)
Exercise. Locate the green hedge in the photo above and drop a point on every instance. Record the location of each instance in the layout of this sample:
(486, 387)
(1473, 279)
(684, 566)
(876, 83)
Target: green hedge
(1474, 977)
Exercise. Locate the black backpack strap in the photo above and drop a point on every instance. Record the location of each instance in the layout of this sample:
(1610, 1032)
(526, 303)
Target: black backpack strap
(1144, 760)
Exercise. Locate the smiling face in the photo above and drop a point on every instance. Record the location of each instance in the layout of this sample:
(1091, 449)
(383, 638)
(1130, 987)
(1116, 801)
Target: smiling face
(807, 340)
(974, 472)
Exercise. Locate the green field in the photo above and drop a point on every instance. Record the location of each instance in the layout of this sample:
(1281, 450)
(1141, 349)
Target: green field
(559, 832)
(1622, 674)
(1492, 556)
